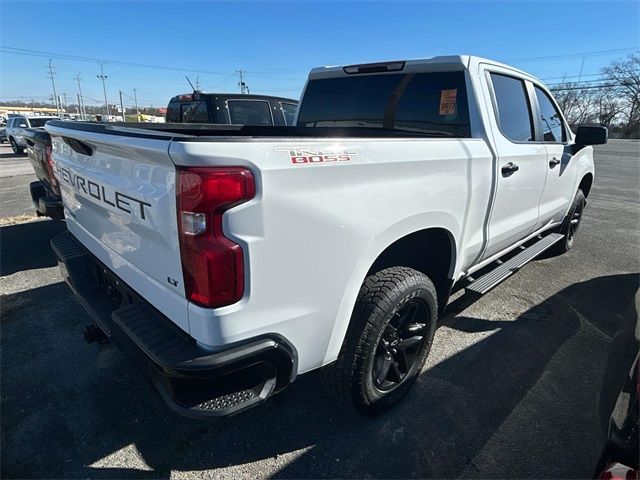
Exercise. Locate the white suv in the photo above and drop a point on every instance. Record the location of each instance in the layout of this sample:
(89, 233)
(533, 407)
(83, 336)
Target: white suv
(16, 126)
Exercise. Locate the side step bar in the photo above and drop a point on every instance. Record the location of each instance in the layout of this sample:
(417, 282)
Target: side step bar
(503, 271)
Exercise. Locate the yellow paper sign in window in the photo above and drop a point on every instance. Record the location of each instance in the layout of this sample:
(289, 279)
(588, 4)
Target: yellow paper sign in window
(448, 101)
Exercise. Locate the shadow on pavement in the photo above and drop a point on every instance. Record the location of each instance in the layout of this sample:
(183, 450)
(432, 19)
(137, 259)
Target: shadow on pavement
(531, 385)
(10, 154)
(25, 246)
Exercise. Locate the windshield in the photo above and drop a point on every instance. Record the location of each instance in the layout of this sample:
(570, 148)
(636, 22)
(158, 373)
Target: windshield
(425, 103)
(39, 122)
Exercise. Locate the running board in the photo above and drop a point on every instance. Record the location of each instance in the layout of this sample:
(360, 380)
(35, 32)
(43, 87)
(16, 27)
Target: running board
(489, 280)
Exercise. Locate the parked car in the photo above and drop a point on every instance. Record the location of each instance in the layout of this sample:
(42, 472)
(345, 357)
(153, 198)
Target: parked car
(229, 108)
(228, 260)
(45, 193)
(3, 133)
(16, 126)
(620, 457)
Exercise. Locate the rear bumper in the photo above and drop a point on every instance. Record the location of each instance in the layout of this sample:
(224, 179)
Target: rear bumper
(194, 382)
(46, 204)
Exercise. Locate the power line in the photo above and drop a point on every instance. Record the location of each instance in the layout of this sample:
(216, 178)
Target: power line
(61, 56)
(573, 76)
(589, 87)
(573, 55)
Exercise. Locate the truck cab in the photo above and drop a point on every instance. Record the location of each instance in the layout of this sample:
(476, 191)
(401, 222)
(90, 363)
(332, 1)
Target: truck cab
(225, 108)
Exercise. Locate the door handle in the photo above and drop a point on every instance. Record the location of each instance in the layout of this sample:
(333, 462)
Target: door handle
(554, 161)
(510, 168)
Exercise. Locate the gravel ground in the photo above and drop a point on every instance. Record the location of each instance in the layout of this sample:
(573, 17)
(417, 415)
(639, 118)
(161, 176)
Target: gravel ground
(515, 386)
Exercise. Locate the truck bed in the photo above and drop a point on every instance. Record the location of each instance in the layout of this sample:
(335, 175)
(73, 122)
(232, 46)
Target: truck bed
(208, 130)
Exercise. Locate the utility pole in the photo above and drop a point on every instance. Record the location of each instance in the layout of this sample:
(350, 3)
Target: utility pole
(103, 77)
(80, 107)
(135, 99)
(64, 96)
(80, 99)
(53, 83)
(243, 86)
(124, 119)
(198, 82)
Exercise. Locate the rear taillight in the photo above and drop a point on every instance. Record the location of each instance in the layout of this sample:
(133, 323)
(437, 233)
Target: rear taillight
(49, 165)
(212, 265)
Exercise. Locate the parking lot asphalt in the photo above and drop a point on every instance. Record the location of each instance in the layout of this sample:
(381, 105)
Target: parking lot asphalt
(15, 175)
(515, 386)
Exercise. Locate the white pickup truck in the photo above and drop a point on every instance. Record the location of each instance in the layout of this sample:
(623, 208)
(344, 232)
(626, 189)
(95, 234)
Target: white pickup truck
(227, 260)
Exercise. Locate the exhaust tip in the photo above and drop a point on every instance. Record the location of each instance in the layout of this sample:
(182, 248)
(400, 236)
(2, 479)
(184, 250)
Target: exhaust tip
(92, 334)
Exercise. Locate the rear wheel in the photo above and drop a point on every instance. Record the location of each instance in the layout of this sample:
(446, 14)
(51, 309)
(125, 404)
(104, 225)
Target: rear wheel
(570, 224)
(388, 340)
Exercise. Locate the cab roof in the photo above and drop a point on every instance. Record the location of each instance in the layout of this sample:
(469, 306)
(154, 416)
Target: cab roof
(433, 64)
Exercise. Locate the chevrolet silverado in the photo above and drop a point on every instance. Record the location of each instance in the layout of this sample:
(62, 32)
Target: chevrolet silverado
(227, 260)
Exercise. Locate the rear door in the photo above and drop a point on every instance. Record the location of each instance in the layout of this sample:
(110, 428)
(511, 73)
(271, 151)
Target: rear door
(561, 166)
(119, 197)
(521, 162)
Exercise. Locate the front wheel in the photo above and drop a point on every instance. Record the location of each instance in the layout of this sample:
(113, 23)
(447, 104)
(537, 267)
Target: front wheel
(570, 224)
(14, 146)
(387, 342)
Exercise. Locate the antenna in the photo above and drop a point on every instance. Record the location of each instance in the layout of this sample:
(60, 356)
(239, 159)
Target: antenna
(192, 87)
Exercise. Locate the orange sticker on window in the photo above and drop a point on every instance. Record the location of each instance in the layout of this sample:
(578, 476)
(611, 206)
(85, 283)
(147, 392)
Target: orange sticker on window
(448, 101)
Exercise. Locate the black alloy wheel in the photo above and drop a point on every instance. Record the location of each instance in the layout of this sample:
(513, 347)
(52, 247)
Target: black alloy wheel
(400, 345)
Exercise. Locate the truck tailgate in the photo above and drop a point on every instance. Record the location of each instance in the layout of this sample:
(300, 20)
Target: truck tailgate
(119, 197)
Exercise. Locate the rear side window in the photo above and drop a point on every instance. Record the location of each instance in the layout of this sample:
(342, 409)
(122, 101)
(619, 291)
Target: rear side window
(173, 112)
(424, 103)
(289, 112)
(250, 112)
(194, 112)
(514, 111)
(550, 119)
(188, 112)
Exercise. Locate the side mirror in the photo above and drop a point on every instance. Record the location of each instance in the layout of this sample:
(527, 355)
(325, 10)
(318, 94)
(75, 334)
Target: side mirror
(23, 125)
(591, 136)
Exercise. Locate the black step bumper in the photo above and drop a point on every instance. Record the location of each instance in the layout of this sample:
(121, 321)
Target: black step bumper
(194, 382)
(46, 204)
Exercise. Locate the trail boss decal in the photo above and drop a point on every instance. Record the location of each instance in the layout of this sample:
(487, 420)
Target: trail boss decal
(90, 188)
(309, 155)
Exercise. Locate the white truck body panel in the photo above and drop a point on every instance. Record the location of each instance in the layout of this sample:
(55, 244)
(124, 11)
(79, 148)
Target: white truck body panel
(313, 231)
(121, 203)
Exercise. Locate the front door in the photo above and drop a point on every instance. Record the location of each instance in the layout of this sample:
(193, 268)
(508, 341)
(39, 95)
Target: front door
(521, 165)
(561, 166)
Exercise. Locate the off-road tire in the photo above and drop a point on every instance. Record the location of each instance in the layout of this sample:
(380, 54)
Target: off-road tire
(383, 294)
(566, 229)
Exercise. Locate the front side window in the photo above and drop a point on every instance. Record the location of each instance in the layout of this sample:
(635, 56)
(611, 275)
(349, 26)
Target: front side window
(423, 103)
(514, 111)
(289, 112)
(250, 112)
(550, 119)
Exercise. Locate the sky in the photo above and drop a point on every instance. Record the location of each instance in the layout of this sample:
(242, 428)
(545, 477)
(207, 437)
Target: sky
(277, 43)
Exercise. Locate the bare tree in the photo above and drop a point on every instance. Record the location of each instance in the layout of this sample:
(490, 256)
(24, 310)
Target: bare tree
(613, 102)
(624, 76)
